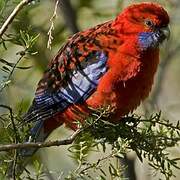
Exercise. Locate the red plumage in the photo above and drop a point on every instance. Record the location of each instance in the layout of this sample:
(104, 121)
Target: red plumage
(130, 43)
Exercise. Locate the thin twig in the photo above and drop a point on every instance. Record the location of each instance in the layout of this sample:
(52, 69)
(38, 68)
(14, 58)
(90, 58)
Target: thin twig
(11, 72)
(12, 120)
(16, 140)
(40, 144)
(160, 123)
(11, 17)
(98, 162)
(50, 37)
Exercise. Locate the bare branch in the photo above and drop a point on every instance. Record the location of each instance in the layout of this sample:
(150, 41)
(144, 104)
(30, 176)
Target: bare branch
(69, 14)
(11, 17)
(50, 37)
(40, 144)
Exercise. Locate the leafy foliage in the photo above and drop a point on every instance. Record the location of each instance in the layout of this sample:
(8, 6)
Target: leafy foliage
(149, 138)
(24, 39)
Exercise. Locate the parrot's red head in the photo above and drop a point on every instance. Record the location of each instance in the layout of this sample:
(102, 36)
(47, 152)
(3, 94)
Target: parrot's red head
(147, 20)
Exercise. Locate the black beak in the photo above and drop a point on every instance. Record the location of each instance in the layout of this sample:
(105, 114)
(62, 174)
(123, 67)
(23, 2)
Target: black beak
(165, 32)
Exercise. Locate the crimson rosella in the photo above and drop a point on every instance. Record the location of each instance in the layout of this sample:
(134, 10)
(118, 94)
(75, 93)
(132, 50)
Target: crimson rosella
(111, 64)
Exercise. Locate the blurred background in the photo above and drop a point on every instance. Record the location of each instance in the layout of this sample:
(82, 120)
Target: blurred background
(73, 16)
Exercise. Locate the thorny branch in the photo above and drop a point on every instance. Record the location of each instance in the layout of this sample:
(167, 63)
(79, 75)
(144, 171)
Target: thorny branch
(11, 17)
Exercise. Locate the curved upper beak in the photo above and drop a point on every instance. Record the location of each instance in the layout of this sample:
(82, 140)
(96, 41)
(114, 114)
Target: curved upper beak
(166, 32)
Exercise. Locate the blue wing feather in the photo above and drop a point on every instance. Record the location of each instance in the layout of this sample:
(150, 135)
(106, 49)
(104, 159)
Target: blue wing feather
(81, 84)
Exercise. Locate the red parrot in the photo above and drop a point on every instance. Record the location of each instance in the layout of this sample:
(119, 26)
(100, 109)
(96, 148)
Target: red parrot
(111, 64)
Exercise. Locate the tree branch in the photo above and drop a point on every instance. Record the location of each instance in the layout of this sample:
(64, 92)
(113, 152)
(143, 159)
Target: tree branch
(11, 17)
(8, 80)
(40, 144)
(70, 16)
(16, 139)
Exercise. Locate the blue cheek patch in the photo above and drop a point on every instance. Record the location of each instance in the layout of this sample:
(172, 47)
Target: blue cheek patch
(148, 40)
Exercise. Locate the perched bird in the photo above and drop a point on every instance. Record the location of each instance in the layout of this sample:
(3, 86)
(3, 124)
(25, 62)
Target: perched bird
(111, 64)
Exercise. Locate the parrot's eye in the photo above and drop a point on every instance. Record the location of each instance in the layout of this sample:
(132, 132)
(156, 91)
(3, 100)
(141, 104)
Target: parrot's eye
(149, 23)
